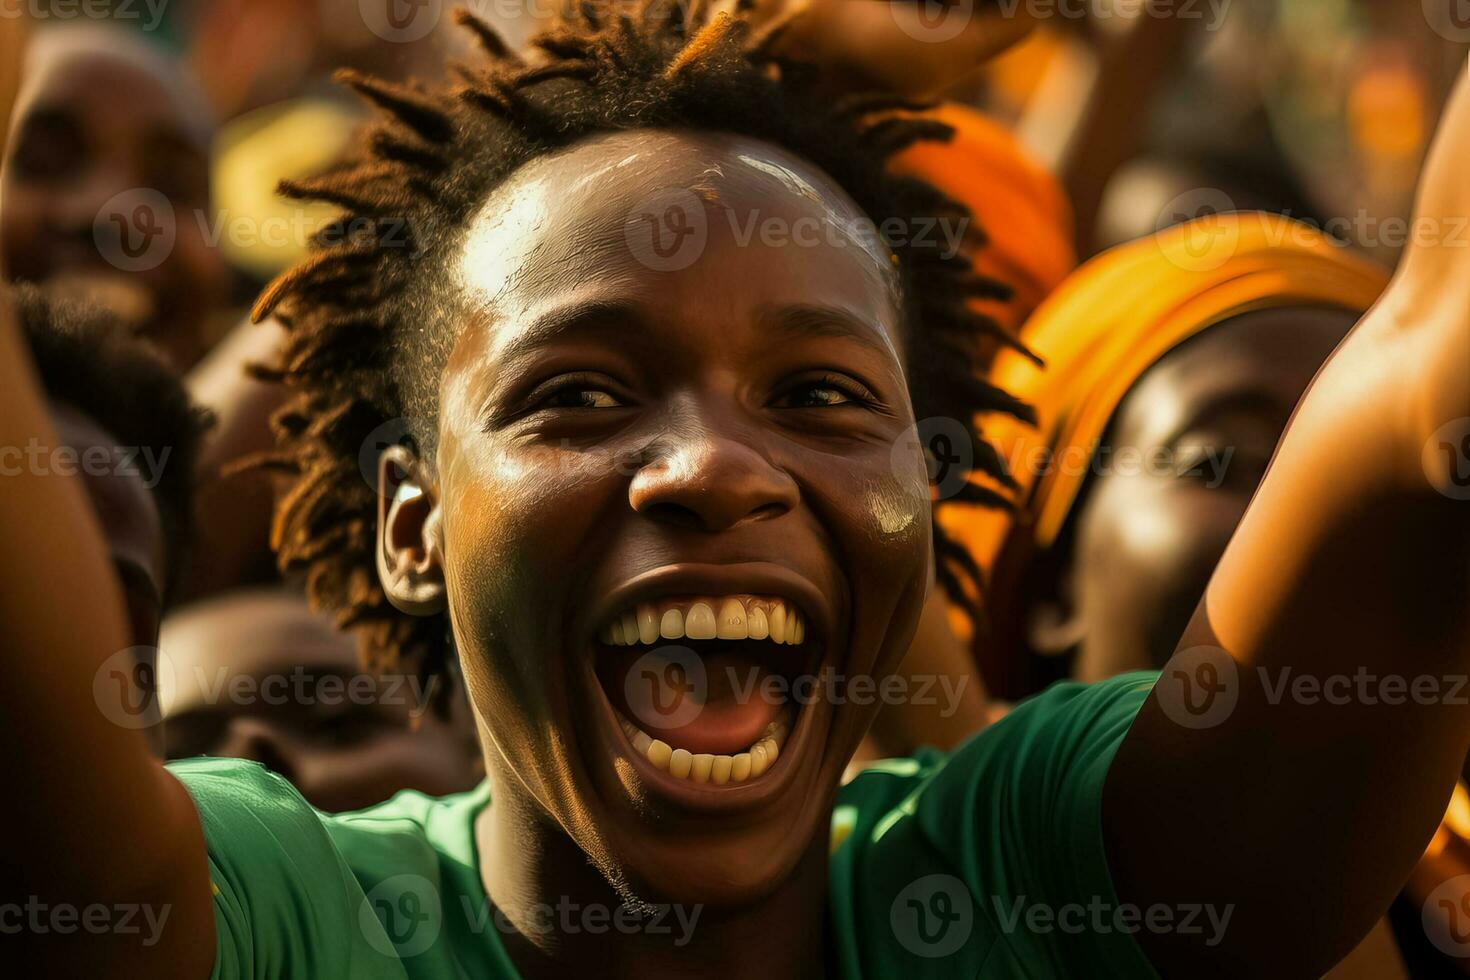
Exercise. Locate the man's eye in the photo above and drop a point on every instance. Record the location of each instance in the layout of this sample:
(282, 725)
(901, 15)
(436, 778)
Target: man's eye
(818, 396)
(830, 392)
(580, 397)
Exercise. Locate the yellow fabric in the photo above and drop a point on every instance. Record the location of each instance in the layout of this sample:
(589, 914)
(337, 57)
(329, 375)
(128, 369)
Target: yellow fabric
(1118, 315)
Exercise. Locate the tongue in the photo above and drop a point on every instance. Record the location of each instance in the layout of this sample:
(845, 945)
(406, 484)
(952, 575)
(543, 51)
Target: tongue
(716, 701)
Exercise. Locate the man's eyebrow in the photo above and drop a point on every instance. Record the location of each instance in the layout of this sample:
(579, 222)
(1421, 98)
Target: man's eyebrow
(806, 321)
(585, 318)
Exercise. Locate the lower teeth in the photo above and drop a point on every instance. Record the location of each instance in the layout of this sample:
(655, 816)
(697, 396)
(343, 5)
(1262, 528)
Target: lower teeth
(706, 767)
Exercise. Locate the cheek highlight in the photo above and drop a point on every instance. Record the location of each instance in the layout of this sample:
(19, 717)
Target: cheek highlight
(894, 506)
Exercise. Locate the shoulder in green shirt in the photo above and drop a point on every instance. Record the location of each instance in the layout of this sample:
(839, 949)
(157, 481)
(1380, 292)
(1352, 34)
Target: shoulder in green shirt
(985, 863)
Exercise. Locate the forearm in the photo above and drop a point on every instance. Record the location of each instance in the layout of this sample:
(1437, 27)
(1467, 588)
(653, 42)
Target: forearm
(1335, 635)
(94, 818)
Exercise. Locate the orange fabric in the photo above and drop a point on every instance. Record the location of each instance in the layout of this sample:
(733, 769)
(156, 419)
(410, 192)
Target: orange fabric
(1020, 207)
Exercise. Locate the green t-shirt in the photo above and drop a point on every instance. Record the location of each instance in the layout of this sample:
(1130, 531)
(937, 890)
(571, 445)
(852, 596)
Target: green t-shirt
(985, 863)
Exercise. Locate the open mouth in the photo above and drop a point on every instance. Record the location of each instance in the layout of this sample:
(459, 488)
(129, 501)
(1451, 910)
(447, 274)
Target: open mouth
(705, 687)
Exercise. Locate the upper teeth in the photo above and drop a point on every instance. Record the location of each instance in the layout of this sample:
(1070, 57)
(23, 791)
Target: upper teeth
(728, 618)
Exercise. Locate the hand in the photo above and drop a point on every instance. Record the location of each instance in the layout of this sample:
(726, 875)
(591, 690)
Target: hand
(914, 47)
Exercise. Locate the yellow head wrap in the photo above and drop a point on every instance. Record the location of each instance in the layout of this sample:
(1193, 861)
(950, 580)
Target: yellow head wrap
(1098, 333)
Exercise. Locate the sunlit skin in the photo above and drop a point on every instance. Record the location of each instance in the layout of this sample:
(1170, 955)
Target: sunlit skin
(97, 117)
(303, 708)
(1145, 540)
(750, 395)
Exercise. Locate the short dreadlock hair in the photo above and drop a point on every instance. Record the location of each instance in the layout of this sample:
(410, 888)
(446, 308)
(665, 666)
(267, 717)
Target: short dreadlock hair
(85, 358)
(356, 310)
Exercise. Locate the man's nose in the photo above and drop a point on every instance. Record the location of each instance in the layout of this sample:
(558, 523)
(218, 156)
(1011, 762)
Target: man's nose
(710, 481)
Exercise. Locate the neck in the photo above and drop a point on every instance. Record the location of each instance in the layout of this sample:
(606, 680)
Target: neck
(566, 918)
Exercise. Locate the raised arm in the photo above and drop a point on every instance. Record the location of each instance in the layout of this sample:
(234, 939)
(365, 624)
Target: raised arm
(1299, 749)
(104, 852)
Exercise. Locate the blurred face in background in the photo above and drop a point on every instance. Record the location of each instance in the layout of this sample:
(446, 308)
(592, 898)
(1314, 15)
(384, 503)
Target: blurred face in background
(105, 186)
(259, 676)
(1129, 571)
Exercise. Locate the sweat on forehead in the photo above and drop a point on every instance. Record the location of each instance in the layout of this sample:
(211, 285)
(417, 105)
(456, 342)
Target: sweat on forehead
(591, 194)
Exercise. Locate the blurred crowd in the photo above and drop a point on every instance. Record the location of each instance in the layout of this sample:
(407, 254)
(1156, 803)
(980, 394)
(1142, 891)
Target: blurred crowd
(144, 148)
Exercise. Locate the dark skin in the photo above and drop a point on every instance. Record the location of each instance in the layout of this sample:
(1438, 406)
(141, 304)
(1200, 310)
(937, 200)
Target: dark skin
(345, 745)
(1147, 538)
(97, 118)
(1348, 555)
(743, 406)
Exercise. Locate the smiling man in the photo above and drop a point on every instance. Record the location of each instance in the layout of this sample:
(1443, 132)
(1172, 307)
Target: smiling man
(610, 433)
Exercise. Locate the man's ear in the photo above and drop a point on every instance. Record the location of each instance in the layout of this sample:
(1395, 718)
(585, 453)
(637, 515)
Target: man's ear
(410, 554)
(1054, 624)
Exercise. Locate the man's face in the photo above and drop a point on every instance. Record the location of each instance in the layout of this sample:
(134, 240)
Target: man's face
(106, 162)
(651, 452)
(1149, 535)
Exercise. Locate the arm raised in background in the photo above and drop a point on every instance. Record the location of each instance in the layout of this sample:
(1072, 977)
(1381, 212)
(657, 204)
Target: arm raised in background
(1298, 751)
(93, 819)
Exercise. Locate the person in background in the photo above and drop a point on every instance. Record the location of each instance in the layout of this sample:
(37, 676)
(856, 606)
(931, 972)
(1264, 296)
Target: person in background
(105, 186)
(129, 432)
(256, 675)
(1173, 366)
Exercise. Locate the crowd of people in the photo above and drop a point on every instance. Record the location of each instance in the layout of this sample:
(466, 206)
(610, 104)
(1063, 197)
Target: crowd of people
(732, 487)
